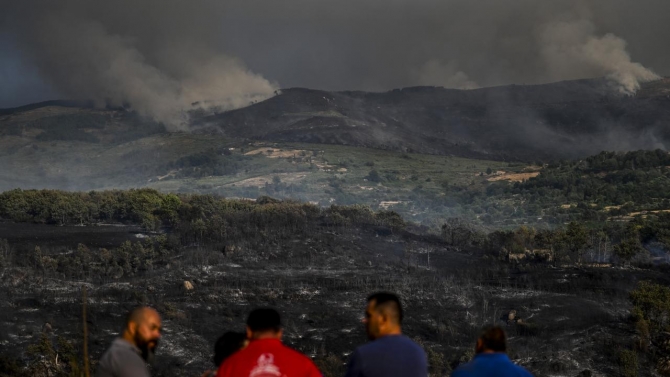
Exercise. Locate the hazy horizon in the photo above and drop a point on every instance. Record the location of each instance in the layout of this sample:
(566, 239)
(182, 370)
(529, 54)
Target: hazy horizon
(160, 57)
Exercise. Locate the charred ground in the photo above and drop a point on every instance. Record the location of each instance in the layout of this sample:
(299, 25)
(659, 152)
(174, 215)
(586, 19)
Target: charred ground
(316, 265)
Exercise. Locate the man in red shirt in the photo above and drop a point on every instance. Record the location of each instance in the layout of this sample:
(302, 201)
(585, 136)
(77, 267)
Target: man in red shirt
(266, 356)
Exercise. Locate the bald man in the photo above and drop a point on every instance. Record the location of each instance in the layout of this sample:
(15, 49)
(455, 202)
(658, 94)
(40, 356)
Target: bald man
(389, 353)
(128, 355)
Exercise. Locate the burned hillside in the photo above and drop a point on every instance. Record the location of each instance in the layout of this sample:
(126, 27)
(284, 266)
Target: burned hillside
(536, 122)
(204, 262)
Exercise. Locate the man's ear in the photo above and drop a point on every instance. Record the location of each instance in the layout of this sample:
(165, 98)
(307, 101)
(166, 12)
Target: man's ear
(384, 318)
(250, 334)
(280, 334)
(132, 328)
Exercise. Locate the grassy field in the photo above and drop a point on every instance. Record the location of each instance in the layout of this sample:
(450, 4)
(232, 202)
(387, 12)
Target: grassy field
(324, 174)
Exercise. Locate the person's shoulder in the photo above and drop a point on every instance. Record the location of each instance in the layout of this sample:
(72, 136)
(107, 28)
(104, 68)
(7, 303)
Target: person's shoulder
(121, 361)
(459, 372)
(298, 359)
(411, 342)
(411, 345)
(464, 370)
(295, 353)
(236, 360)
(399, 343)
(121, 350)
(387, 342)
(518, 369)
(236, 357)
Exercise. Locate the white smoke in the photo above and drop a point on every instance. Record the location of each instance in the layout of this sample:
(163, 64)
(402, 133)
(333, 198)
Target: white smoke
(572, 50)
(434, 72)
(84, 60)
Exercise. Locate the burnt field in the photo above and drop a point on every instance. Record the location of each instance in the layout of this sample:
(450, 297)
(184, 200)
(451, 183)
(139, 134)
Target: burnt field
(204, 262)
(571, 319)
(21, 235)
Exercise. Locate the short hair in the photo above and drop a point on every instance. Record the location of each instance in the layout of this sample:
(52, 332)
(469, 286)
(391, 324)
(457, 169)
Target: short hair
(264, 319)
(226, 345)
(388, 302)
(494, 339)
(135, 315)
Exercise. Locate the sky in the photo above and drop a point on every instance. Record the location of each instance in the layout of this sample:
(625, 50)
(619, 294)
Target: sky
(164, 56)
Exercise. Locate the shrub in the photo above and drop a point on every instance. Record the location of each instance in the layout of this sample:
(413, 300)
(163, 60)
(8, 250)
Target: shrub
(628, 364)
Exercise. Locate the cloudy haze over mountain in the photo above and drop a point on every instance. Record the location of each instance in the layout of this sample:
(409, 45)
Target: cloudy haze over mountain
(160, 57)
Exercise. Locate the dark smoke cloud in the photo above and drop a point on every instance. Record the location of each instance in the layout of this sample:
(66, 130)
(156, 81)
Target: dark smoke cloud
(160, 56)
(381, 44)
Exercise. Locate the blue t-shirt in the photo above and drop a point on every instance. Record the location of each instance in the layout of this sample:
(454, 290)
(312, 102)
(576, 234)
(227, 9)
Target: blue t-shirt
(392, 355)
(490, 365)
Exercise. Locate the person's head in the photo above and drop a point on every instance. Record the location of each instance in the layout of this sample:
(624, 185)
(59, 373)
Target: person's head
(143, 329)
(383, 315)
(491, 340)
(228, 344)
(264, 323)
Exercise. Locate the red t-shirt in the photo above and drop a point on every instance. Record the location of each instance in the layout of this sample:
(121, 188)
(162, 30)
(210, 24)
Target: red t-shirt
(268, 358)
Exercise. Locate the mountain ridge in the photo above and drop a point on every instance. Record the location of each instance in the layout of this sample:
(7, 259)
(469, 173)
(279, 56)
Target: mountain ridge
(519, 122)
(568, 119)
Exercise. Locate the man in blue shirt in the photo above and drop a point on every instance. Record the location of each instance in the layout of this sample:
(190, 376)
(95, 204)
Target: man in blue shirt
(491, 358)
(389, 353)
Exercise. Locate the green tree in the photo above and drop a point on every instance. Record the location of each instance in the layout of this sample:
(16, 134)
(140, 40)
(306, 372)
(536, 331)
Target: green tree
(627, 249)
(651, 302)
(576, 239)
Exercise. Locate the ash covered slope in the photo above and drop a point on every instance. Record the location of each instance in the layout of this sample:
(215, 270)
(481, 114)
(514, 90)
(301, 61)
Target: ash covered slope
(564, 119)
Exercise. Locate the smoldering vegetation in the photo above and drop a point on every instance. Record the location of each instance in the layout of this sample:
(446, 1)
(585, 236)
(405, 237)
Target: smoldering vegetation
(562, 120)
(204, 262)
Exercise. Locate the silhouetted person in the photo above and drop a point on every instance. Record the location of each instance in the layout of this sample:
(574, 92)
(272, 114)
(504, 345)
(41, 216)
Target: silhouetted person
(389, 353)
(129, 354)
(491, 358)
(225, 346)
(266, 356)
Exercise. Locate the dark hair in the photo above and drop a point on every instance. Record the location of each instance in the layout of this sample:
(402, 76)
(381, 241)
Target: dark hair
(389, 302)
(226, 345)
(494, 339)
(264, 319)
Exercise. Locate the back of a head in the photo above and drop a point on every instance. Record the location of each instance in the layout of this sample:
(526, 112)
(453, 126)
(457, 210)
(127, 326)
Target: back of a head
(264, 320)
(228, 344)
(493, 339)
(139, 314)
(388, 303)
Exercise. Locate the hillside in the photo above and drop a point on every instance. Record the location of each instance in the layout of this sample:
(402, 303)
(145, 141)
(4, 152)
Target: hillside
(518, 122)
(444, 171)
(538, 122)
(423, 188)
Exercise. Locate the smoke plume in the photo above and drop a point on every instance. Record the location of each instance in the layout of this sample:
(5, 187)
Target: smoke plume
(81, 54)
(572, 51)
(160, 56)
